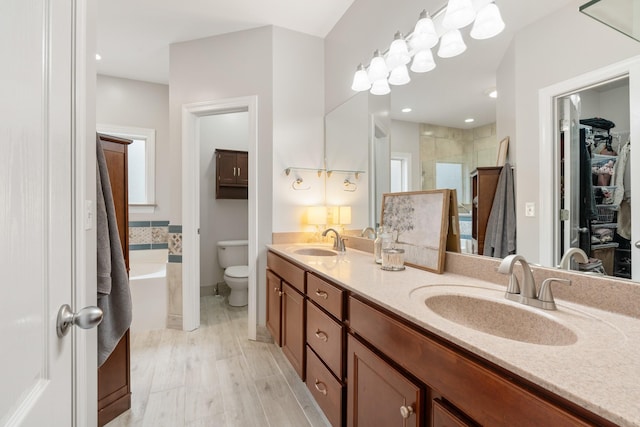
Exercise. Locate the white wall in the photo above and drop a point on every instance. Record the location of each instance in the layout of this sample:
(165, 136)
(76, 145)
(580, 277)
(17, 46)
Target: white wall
(405, 138)
(220, 219)
(133, 103)
(560, 46)
(298, 125)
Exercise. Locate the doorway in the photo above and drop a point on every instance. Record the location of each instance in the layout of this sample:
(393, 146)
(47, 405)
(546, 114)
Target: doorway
(564, 106)
(191, 118)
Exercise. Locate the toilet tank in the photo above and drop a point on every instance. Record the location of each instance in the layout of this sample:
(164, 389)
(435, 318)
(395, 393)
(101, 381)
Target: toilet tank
(233, 252)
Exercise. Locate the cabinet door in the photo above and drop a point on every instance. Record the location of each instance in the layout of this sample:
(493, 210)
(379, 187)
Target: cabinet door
(226, 164)
(378, 394)
(443, 416)
(274, 302)
(293, 329)
(242, 171)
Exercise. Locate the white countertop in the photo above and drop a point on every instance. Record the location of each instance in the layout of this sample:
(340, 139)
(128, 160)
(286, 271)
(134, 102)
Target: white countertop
(600, 371)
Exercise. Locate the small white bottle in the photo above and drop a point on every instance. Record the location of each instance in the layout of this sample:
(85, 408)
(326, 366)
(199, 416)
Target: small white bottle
(383, 240)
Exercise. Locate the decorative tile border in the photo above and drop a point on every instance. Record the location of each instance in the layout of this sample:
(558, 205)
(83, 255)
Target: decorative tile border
(174, 238)
(148, 235)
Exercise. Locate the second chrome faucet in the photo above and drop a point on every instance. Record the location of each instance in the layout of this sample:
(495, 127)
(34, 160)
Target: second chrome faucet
(525, 293)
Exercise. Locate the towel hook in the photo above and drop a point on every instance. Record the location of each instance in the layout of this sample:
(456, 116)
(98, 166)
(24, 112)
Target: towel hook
(350, 186)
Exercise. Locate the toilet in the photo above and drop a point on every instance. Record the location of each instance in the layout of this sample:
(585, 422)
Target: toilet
(233, 256)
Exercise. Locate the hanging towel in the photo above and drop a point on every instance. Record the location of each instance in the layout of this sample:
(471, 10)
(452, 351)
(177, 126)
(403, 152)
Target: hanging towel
(114, 297)
(500, 237)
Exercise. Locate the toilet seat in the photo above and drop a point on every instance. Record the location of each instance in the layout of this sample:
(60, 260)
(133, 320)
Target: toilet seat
(237, 271)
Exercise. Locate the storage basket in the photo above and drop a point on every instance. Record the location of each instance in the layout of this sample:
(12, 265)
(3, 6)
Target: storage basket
(605, 213)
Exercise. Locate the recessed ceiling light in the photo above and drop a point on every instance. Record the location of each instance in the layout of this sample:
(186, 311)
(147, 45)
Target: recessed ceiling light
(406, 110)
(98, 57)
(469, 120)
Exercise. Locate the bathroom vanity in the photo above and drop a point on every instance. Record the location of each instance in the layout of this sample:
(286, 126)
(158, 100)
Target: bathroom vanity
(391, 348)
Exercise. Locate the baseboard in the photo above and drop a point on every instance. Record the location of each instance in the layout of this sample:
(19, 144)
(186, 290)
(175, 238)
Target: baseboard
(263, 334)
(174, 321)
(206, 290)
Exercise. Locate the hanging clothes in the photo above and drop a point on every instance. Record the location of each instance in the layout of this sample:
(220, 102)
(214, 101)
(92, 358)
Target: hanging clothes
(587, 198)
(622, 195)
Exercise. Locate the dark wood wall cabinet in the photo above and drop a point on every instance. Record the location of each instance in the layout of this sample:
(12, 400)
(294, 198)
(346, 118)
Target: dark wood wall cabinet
(484, 181)
(232, 174)
(114, 379)
(366, 366)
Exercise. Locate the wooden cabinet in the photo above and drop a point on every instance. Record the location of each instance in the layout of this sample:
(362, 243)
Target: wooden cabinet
(232, 174)
(293, 327)
(442, 415)
(484, 181)
(325, 389)
(286, 309)
(114, 379)
(378, 394)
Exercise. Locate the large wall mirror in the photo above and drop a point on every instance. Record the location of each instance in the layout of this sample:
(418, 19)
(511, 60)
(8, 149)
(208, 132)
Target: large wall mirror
(400, 154)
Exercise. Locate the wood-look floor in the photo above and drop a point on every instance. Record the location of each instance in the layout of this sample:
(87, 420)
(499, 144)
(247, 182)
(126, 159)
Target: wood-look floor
(214, 376)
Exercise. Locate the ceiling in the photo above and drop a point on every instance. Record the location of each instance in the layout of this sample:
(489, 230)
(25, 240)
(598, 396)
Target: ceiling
(133, 38)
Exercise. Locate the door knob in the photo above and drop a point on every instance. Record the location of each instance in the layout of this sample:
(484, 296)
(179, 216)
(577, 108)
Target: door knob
(638, 244)
(87, 318)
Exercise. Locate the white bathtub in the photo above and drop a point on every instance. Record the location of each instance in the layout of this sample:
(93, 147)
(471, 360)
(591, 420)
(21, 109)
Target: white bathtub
(148, 283)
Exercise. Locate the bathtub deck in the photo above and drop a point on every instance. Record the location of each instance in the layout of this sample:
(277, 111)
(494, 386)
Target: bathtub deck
(214, 376)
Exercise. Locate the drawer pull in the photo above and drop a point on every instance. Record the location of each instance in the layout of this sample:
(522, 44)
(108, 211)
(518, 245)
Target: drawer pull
(322, 294)
(322, 336)
(322, 389)
(406, 411)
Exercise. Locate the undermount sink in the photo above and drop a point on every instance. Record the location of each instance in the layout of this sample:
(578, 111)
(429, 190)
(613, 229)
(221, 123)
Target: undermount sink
(314, 252)
(501, 319)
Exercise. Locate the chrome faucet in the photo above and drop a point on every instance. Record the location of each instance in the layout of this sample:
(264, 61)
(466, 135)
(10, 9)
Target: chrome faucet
(526, 294)
(338, 242)
(579, 254)
(368, 232)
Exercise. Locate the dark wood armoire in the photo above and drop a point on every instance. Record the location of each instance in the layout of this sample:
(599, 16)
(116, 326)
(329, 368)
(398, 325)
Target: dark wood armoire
(114, 381)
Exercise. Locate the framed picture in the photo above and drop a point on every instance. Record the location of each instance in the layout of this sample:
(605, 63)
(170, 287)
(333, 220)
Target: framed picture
(420, 222)
(503, 148)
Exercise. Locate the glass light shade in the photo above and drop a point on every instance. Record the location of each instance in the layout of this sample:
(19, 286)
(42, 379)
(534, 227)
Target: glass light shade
(378, 68)
(460, 13)
(399, 76)
(423, 61)
(424, 34)
(360, 80)
(380, 87)
(317, 215)
(398, 52)
(345, 215)
(451, 44)
(488, 23)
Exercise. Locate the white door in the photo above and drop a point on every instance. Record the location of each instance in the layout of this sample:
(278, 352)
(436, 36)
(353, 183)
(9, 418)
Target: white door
(36, 210)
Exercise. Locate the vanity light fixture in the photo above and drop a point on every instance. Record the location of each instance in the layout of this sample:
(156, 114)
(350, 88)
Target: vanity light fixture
(459, 14)
(488, 23)
(451, 44)
(390, 66)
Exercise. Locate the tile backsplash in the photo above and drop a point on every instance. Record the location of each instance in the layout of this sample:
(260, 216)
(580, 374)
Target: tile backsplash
(148, 235)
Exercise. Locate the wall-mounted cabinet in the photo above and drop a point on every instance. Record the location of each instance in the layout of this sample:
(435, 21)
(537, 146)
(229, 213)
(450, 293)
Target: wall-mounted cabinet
(232, 174)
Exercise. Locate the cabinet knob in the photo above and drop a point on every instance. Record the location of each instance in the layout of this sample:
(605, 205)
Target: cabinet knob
(322, 389)
(322, 294)
(406, 411)
(278, 291)
(322, 336)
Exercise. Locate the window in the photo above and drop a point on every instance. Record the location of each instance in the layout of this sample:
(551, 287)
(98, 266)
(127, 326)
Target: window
(449, 175)
(141, 172)
(400, 172)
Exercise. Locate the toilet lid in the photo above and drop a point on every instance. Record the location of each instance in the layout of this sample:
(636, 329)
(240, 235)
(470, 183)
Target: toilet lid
(238, 271)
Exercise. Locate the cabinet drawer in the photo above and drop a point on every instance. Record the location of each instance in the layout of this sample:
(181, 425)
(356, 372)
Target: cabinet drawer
(326, 390)
(326, 295)
(292, 274)
(326, 337)
(479, 392)
(443, 416)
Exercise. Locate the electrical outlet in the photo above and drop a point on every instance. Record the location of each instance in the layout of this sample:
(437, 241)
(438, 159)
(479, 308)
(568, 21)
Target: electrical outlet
(88, 219)
(529, 209)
